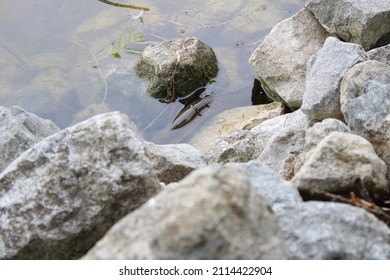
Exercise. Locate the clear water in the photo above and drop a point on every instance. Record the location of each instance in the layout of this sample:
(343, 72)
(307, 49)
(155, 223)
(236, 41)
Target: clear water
(55, 56)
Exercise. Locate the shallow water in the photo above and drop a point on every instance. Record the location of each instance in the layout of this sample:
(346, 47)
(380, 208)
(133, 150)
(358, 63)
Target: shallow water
(56, 61)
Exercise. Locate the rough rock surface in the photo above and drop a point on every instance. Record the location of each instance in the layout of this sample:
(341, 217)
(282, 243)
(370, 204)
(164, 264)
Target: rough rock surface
(332, 231)
(177, 67)
(356, 21)
(237, 118)
(61, 196)
(315, 134)
(325, 70)
(19, 130)
(214, 213)
(282, 150)
(337, 161)
(236, 146)
(281, 66)
(381, 54)
(172, 163)
(273, 188)
(365, 103)
(296, 120)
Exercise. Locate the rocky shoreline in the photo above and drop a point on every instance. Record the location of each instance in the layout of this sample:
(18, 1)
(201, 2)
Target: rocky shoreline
(98, 190)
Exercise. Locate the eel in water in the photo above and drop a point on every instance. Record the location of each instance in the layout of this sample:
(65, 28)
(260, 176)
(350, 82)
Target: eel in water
(190, 111)
(124, 5)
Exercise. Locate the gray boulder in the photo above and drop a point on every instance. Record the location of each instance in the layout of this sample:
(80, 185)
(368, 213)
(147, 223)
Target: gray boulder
(236, 146)
(172, 163)
(365, 103)
(315, 134)
(61, 196)
(357, 21)
(325, 70)
(296, 120)
(381, 54)
(281, 58)
(337, 161)
(282, 150)
(19, 130)
(332, 231)
(214, 213)
(177, 67)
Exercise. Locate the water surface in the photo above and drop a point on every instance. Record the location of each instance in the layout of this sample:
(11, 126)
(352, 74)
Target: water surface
(56, 60)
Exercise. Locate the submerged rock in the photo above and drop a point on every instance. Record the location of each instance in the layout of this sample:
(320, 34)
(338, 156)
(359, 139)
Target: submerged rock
(61, 196)
(242, 118)
(177, 67)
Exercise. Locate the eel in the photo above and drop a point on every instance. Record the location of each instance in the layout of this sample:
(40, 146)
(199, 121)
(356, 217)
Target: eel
(124, 5)
(190, 111)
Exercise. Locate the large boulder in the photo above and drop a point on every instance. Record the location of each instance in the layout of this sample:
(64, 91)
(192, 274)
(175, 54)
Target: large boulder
(337, 161)
(214, 213)
(365, 103)
(177, 67)
(363, 22)
(281, 58)
(332, 231)
(325, 70)
(62, 195)
(19, 130)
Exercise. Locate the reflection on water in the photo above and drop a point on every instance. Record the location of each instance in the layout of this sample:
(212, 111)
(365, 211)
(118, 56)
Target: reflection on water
(56, 63)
